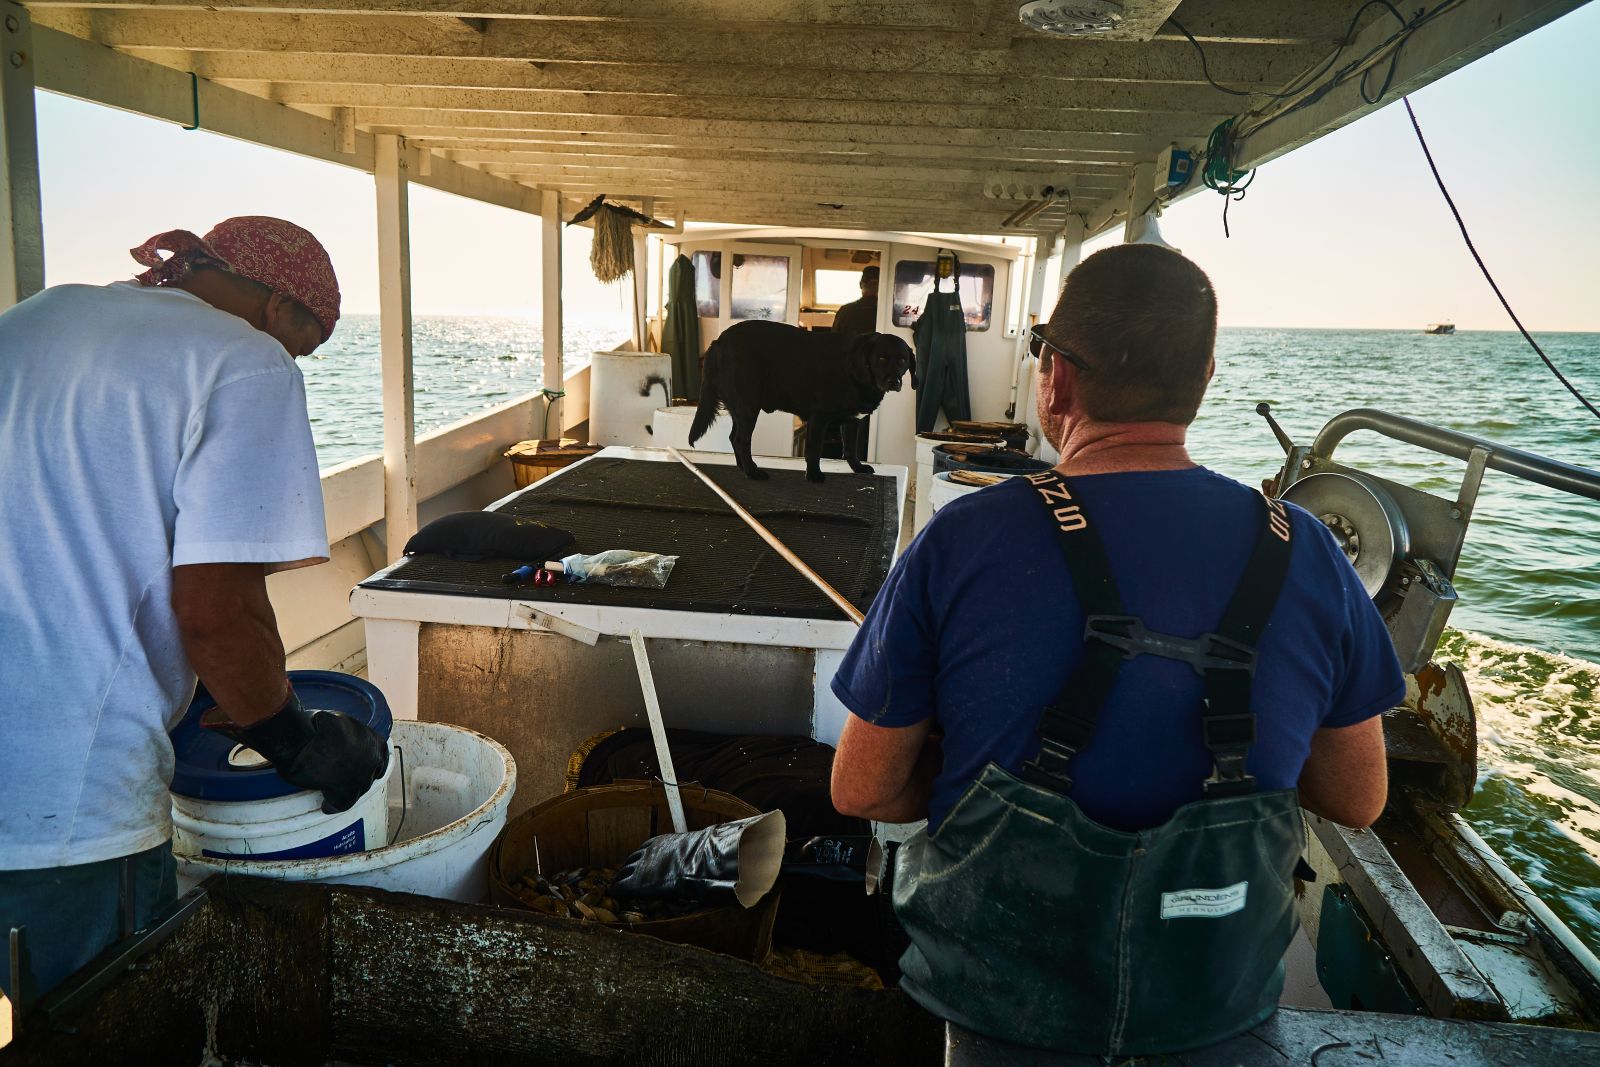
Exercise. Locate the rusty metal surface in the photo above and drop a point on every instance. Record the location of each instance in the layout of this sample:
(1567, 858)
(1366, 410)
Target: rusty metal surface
(292, 974)
(542, 695)
(1326, 1039)
(1444, 704)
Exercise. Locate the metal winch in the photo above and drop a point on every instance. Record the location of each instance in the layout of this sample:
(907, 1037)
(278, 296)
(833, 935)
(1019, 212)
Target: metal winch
(1405, 544)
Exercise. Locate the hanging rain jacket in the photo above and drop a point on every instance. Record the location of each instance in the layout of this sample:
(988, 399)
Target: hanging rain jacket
(681, 333)
(1032, 923)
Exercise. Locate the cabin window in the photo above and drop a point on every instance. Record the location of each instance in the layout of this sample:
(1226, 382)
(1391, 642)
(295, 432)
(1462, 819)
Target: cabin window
(838, 287)
(761, 287)
(913, 281)
(708, 284)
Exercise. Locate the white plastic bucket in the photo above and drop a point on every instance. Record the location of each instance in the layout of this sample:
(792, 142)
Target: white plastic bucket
(623, 398)
(944, 490)
(447, 797)
(289, 827)
(922, 484)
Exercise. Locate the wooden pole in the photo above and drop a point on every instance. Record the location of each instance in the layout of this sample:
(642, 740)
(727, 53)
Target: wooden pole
(394, 304)
(770, 538)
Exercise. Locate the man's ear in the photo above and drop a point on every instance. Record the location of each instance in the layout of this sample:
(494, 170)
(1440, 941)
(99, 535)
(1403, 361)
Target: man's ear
(1059, 385)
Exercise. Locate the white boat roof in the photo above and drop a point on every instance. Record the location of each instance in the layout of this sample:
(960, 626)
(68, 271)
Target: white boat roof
(906, 115)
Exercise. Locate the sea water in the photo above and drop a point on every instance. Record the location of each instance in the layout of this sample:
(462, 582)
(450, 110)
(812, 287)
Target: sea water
(460, 365)
(1527, 628)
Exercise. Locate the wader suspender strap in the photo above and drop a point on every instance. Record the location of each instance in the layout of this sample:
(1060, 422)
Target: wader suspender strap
(1226, 658)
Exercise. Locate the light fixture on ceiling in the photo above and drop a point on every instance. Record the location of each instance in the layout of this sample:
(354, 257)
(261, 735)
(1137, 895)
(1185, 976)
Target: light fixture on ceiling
(1071, 18)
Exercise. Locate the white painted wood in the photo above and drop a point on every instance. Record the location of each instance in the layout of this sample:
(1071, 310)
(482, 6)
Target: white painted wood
(344, 129)
(550, 307)
(641, 291)
(392, 662)
(90, 71)
(1259, 21)
(452, 454)
(394, 298)
(658, 731)
(21, 221)
(800, 50)
(1141, 196)
(352, 496)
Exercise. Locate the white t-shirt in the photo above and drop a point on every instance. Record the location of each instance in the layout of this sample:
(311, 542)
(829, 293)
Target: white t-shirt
(140, 429)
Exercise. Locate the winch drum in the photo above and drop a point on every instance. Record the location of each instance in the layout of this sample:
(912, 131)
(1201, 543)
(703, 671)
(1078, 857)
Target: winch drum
(1364, 520)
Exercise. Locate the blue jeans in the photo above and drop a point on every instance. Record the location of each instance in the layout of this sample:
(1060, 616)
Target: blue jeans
(70, 913)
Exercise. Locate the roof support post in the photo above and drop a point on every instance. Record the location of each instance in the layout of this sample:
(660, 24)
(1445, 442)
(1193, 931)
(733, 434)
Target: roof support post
(394, 303)
(1071, 245)
(21, 221)
(641, 275)
(550, 309)
(1141, 197)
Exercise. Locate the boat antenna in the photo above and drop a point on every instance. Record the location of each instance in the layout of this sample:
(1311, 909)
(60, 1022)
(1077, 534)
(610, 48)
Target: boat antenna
(1449, 200)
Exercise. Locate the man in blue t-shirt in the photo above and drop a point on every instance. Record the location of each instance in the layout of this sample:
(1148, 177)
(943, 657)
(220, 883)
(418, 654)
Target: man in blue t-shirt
(979, 628)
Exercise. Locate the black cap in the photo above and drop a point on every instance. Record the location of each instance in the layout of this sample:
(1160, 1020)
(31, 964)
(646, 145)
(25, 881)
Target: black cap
(870, 274)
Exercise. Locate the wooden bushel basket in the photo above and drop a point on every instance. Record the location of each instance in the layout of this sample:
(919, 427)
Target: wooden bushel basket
(600, 826)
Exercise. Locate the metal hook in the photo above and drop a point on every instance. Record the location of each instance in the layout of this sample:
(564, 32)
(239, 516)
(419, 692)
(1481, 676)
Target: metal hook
(194, 100)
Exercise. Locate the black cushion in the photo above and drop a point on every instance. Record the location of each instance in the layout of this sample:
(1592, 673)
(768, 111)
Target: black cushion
(475, 535)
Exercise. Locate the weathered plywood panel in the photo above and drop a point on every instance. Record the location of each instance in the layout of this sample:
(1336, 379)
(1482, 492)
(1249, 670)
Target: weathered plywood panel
(542, 695)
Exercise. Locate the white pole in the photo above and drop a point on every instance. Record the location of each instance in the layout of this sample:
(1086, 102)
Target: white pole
(1141, 196)
(394, 303)
(550, 310)
(641, 277)
(21, 221)
(658, 731)
(1070, 249)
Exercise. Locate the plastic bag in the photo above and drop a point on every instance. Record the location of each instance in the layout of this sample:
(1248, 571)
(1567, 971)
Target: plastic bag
(620, 566)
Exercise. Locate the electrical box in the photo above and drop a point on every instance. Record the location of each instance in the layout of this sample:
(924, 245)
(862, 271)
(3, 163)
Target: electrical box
(1176, 163)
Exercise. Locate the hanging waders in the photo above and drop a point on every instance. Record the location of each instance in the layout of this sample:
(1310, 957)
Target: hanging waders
(941, 343)
(1032, 923)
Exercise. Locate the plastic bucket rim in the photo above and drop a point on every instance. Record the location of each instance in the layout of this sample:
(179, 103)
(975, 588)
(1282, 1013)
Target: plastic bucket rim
(389, 855)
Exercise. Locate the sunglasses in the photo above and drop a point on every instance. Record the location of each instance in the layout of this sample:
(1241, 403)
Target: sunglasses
(1040, 347)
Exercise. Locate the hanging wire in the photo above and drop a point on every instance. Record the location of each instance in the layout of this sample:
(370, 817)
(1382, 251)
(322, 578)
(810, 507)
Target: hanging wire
(1483, 267)
(1299, 84)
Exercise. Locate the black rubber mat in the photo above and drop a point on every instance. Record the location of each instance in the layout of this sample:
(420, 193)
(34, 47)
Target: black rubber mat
(845, 529)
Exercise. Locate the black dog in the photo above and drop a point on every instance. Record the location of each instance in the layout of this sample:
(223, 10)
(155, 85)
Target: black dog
(826, 378)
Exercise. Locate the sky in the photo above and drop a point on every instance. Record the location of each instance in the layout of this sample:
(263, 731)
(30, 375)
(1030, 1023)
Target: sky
(1348, 232)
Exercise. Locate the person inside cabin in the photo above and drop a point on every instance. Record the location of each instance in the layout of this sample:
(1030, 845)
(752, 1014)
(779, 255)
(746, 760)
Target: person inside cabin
(158, 466)
(1110, 688)
(861, 315)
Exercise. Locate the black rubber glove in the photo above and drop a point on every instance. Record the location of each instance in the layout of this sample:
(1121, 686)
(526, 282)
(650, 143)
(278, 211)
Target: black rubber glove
(701, 865)
(326, 751)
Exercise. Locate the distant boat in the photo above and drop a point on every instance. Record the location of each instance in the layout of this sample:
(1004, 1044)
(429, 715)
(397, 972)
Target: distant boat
(1440, 327)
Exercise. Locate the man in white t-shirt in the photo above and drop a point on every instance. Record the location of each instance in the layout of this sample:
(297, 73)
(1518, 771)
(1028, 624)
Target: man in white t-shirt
(156, 464)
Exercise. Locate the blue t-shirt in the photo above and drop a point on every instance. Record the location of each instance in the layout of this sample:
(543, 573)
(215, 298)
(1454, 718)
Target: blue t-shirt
(978, 627)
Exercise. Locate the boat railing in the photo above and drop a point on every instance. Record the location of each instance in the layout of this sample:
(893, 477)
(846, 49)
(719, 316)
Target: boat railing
(1567, 477)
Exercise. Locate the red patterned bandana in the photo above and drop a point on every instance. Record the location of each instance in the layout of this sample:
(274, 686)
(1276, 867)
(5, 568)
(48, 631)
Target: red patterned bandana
(275, 253)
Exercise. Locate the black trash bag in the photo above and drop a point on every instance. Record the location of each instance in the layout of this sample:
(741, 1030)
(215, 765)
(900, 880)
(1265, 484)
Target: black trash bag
(473, 535)
(722, 864)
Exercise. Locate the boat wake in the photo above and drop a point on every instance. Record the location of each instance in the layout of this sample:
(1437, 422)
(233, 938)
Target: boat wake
(1538, 802)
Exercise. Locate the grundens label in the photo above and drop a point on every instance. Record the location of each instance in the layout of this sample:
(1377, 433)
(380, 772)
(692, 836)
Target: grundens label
(1203, 903)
